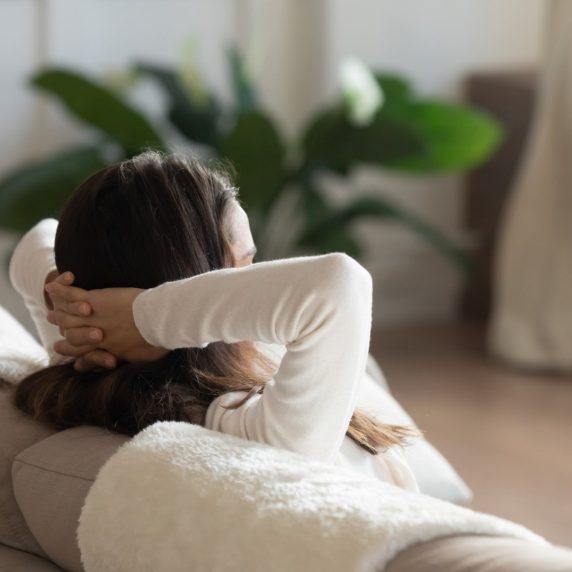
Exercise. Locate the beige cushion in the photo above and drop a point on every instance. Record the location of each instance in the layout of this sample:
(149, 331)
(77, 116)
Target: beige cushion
(481, 554)
(17, 432)
(51, 480)
(20, 354)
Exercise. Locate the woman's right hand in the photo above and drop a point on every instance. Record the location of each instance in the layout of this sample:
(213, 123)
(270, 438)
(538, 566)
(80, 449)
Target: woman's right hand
(98, 325)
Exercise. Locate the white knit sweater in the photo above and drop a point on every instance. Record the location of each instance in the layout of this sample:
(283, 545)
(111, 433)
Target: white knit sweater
(314, 310)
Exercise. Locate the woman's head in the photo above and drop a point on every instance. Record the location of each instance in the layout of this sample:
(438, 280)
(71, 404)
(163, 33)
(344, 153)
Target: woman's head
(149, 220)
(139, 223)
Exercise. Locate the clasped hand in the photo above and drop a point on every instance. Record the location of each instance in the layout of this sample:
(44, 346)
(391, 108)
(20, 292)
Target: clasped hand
(98, 325)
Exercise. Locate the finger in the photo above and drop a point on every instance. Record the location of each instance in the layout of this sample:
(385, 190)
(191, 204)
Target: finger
(66, 278)
(75, 308)
(79, 308)
(97, 358)
(83, 336)
(67, 293)
(64, 348)
(82, 364)
(67, 321)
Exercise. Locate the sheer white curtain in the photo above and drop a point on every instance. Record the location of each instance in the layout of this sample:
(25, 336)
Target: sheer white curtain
(532, 318)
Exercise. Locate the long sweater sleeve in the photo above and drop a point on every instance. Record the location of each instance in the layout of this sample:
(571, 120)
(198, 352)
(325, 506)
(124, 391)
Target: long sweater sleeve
(31, 262)
(318, 307)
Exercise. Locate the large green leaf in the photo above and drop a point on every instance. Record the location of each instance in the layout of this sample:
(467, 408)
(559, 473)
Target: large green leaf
(406, 134)
(455, 137)
(338, 220)
(397, 92)
(41, 189)
(333, 142)
(101, 108)
(255, 148)
(197, 121)
(245, 95)
(316, 212)
(315, 208)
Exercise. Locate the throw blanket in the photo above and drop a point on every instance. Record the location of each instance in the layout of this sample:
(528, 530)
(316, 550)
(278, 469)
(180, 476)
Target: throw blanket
(179, 497)
(20, 353)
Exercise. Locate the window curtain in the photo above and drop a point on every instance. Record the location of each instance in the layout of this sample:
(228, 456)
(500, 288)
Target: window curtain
(531, 324)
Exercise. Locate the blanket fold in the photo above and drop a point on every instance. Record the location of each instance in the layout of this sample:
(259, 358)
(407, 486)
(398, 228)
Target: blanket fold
(179, 497)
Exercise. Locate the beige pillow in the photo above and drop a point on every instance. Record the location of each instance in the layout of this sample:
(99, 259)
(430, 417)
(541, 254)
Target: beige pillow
(17, 432)
(20, 355)
(51, 480)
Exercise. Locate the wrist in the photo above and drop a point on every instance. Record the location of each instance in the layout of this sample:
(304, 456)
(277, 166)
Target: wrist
(143, 318)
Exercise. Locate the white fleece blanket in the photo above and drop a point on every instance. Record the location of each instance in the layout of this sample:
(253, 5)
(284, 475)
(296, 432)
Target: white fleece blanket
(179, 497)
(20, 353)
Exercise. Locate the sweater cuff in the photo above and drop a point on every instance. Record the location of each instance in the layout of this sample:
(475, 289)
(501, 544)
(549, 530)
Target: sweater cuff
(142, 320)
(143, 307)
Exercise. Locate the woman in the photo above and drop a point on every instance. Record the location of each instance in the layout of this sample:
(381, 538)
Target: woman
(160, 253)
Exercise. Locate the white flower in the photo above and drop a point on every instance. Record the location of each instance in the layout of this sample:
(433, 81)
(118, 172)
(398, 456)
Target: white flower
(362, 94)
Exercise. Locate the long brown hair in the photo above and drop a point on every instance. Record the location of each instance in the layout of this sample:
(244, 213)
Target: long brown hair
(139, 223)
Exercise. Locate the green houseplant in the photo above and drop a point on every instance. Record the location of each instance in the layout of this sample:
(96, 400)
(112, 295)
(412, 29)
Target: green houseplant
(377, 120)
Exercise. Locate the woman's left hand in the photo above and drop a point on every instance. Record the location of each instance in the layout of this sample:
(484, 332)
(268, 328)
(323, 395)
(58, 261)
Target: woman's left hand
(92, 359)
(98, 325)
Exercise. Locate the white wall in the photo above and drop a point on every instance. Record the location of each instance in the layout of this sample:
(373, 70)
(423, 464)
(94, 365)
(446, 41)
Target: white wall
(437, 41)
(298, 45)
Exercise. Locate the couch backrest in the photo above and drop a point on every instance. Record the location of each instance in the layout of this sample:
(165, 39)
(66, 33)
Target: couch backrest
(51, 480)
(17, 433)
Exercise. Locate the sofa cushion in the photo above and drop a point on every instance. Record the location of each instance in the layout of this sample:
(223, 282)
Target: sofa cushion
(17, 433)
(20, 355)
(51, 480)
